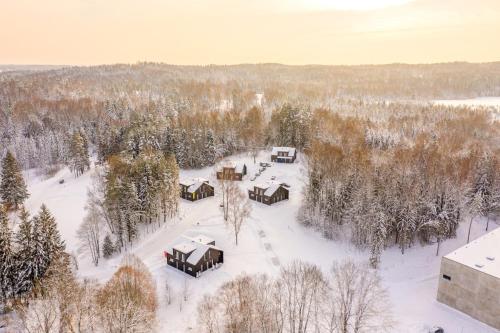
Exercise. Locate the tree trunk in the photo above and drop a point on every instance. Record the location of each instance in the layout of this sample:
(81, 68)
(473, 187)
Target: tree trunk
(487, 222)
(438, 245)
(470, 226)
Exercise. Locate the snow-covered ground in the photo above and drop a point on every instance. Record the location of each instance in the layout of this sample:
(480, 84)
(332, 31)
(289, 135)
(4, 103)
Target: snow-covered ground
(270, 238)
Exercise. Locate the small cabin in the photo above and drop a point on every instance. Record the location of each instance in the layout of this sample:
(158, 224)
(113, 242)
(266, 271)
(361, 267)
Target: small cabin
(196, 189)
(269, 193)
(232, 171)
(194, 255)
(283, 154)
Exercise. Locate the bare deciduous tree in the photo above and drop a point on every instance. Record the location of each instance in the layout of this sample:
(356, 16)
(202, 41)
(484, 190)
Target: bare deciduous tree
(209, 314)
(168, 293)
(89, 233)
(358, 302)
(301, 285)
(299, 300)
(475, 209)
(224, 185)
(238, 209)
(52, 307)
(41, 316)
(85, 317)
(127, 303)
(185, 290)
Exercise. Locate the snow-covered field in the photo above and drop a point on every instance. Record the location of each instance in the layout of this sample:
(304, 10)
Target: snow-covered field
(271, 237)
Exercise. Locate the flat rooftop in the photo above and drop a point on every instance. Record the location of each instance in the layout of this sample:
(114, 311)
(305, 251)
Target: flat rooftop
(482, 254)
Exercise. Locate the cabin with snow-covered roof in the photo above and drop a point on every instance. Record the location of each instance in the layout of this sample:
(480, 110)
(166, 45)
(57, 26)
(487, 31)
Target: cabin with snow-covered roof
(193, 255)
(232, 171)
(283, 154)
(195, 189)
(269, 193)
(469, 280)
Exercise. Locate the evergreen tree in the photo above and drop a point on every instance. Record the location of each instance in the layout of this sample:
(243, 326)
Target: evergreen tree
(12, 187)
(181, 153)
(39, 258)
(79, 154)
(6, 257)
(210, 153)
(46, 244)
(24, 255)
(130, 207)
(107, 247)
(52, 243)
(378, 236)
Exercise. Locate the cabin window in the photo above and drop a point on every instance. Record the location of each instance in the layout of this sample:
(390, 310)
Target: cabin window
(190, 269)
(183, 259)
(446, 277)
(176, 255)
(171, 259)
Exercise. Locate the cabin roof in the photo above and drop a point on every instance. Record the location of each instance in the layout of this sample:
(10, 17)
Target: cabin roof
(195, 257)
(185, 247)
(238, 167)
(272, 189)
(289, 150)
(195, 247)
(193, 184)
(269, 188)
(203, 239)
(481, 254)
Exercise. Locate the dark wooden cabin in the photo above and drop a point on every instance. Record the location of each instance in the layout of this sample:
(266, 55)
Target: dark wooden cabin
(194, 255)
(232, 172)
(283, 154)
(196, 189)
(269, 193)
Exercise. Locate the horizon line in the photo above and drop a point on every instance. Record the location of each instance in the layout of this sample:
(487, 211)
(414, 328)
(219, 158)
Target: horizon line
(249, 64)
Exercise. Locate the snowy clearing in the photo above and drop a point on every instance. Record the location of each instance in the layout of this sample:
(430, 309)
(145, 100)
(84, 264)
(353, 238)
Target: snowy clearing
(270, 238)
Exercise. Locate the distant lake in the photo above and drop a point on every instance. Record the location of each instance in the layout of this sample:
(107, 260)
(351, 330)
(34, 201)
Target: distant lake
(479, 101)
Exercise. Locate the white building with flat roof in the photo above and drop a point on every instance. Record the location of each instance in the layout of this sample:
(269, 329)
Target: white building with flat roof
(469, 280)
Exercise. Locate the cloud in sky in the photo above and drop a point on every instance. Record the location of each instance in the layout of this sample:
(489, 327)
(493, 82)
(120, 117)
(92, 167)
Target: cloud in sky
(238, 31)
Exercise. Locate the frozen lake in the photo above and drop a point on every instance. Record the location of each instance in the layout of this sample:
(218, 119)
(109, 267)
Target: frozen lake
(479, 101)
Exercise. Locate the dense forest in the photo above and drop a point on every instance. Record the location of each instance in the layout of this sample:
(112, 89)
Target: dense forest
(204, 105)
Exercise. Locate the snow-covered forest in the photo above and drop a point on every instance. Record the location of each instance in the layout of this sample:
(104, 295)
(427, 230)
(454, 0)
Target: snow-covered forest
(381, 168)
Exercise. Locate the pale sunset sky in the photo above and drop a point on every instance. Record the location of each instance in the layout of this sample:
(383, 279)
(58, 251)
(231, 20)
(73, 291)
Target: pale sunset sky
(89, 32)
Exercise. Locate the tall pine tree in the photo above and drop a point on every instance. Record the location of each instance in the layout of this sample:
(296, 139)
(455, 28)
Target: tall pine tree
(46, 244)
(6, 257)
(24, 255)
(79, 154)
(12, 187)
(107, 247)
(52, 244)
(39, 261)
